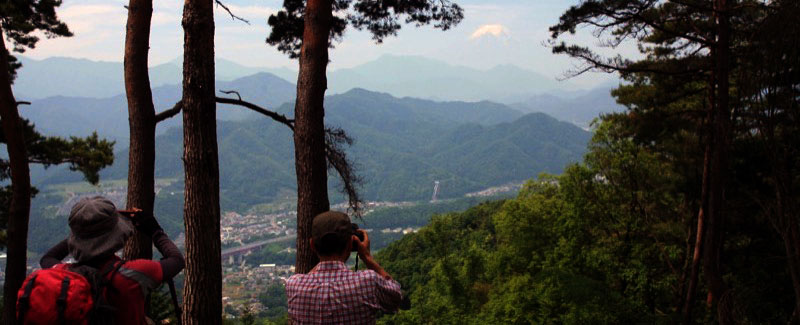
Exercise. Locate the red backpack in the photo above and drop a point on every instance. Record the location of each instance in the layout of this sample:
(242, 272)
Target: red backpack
(66, 294)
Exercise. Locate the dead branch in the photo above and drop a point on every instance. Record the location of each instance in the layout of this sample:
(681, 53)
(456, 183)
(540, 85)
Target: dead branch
(233, 17)
(23, 103)
(170, 112)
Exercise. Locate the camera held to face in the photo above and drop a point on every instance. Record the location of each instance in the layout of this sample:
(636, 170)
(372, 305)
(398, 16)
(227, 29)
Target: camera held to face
(130, 214)
(357, 234)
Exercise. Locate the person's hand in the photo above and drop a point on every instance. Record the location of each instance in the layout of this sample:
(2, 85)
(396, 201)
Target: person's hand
(144, 222)
(363, 252)
(362, 246)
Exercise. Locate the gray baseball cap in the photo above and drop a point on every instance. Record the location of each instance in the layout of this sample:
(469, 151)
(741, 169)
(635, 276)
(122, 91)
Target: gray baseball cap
(331, 222)
(97, 229)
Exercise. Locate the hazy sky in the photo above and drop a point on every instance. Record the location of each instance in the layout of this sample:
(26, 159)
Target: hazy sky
(492, 32)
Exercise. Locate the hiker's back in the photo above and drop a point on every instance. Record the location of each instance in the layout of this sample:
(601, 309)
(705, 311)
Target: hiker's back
(97, 231)
(77, 294)
(129, 287)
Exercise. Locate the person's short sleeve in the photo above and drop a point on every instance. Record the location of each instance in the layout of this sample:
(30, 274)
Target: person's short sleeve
(387, 292)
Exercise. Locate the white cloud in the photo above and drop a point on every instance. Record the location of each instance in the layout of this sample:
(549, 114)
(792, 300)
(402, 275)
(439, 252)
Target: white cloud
(80, 11)
(495, 30)
(90, 18)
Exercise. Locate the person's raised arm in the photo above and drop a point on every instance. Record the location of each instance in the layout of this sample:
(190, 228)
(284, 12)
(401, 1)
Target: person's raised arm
(54, 255)
(366, 256)
(173, 261)
(389, 295)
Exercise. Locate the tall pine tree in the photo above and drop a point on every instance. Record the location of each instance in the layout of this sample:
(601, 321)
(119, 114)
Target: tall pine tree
(142, 121)
(202, 293)
(20, 23)
(304, 30)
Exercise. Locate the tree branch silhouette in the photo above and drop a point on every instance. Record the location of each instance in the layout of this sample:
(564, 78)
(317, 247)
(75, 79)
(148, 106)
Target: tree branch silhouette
(335, 141)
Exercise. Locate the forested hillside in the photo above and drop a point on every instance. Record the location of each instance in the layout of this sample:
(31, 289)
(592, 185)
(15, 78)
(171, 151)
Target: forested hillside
(605, 242)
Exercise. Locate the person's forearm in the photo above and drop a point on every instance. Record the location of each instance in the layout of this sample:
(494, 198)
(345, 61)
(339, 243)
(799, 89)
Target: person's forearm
(173, 261)
(373, 265)
(54, 255)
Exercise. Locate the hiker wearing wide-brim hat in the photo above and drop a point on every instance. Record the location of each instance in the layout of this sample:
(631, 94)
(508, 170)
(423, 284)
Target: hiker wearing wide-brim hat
(97, 231)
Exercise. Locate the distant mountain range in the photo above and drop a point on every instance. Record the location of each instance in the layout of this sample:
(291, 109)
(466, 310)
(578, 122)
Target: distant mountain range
(401, 76)
(579, 108)
(80, 116)
(61, 76)
(402, 145)
(421, 77)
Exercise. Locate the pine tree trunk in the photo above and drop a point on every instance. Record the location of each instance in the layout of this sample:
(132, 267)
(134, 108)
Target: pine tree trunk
(309, 132)
(721, 126)
(19, 211)
(202, 293)
(141, 118)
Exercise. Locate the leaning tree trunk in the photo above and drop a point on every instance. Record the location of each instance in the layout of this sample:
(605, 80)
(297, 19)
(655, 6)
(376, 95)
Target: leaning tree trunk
(791, 241)
(141, 119)
(17, 228)
(700, 238)
(309, 132)
(202, 293)
(721, 127)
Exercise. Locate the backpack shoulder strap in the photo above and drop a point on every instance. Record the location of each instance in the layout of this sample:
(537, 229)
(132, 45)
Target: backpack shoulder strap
(61, 301)
(106, 275)
(25, 299)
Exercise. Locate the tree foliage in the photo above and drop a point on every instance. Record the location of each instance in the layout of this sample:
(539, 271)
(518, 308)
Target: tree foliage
(87, 155)
(689, 97)
(381, 18)
(20, 19)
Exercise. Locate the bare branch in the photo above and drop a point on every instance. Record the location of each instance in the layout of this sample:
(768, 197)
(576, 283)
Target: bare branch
(170, 112)
(228, 92)
(23, 103)
(233, 17)
(275, 116)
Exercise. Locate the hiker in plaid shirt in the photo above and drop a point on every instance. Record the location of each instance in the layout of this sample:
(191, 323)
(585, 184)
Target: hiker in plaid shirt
(333, 294)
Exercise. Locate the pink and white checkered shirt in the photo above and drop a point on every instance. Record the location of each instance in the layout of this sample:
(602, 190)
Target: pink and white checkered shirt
(333, 294)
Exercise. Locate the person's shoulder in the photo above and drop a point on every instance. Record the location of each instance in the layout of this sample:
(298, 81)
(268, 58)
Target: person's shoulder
(296, 278)
(368, 275)
(140, 263)
(150, 268)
